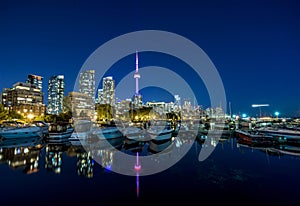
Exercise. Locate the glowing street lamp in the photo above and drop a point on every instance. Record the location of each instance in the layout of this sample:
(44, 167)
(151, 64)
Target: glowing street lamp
(30, 116)
(277, 114)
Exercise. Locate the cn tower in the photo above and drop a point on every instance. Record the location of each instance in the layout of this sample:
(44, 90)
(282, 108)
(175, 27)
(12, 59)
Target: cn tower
(136, 74)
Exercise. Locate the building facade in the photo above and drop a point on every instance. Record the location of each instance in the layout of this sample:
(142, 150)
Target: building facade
(82, 105)
(56, 90)
(108, 86)
(36, 80)
(25, 99)
(87, 83)
(100, 99)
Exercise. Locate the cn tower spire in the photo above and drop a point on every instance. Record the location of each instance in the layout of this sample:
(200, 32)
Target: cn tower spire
(136, 62)
(136, 74)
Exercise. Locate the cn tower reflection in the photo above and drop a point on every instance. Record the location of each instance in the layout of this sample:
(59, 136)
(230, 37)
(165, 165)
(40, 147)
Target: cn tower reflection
(137, 168)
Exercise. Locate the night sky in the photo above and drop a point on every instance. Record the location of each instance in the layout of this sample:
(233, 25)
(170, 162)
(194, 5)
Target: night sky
(253, 44)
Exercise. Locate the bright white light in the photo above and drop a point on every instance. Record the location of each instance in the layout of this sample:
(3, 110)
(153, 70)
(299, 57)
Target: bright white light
(30, 116)
(260, 105)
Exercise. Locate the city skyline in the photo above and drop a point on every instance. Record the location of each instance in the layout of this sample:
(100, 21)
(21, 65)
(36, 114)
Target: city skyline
(254, 45)
(142, 102)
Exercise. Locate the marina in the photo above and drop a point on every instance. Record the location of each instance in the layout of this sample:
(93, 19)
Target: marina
(149, 103)
(233, 168)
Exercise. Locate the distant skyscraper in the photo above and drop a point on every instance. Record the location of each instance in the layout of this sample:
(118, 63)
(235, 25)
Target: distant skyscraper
(137, 97)
(108, 86)
(100, 99)
(87, 83)
(177, 104)
(56, 89)
(82, 105)
(36, 80)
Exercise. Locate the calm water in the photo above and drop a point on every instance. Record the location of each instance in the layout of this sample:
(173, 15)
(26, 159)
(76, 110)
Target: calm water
(39, 173)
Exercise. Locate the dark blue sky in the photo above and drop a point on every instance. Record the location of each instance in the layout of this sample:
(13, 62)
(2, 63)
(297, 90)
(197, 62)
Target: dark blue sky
(253, 44)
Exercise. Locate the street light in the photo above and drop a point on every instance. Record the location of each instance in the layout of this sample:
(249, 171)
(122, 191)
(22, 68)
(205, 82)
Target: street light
(30, 116)
(276, 114)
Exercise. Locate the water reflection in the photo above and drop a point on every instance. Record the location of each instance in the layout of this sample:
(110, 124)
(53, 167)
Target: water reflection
(274, 150)
(26, 154)
(21, 154)
(232, 167)
(85, 165)
(53, 157)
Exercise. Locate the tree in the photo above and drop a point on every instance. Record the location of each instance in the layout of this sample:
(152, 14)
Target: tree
(140, 114)
(50, 118)
(3, 113)
(104, 111)
(14, 115)
(65, 116)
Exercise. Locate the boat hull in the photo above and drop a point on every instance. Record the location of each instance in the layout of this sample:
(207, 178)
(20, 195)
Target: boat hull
(24, 142)
(160, 136)
(134, 133)
(106, 133)
(284, 136)
(155, 147)
(20, 133)
(60, 135)
(248, 138)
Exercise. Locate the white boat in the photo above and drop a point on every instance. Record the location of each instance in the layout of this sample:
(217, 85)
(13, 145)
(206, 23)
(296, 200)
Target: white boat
(82, 128)
(43, 126)
(106, 132)
(288, 134)
(134, 133)
(17, 130)
(60, 131)
(160, 131)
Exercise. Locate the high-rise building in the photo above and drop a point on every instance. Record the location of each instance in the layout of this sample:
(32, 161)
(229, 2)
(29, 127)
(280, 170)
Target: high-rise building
(177, 104)
(100, 99)
(24, 98)
(87, 83)
(56, 89)
(82, 104)
(36, 80)
(137, 97)
(108, 86)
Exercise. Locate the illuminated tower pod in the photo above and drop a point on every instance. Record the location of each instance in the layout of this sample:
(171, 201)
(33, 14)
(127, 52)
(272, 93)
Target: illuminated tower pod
(136, 74)
(137, 98)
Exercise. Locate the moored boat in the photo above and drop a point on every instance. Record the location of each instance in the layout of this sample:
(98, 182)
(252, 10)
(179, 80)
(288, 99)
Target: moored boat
(253, 137)
(289, 135)
(17, 130)
(160, 131)
(43, 126)
(82, 128)
(60, 131)
(106, 132)
(134, 133)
